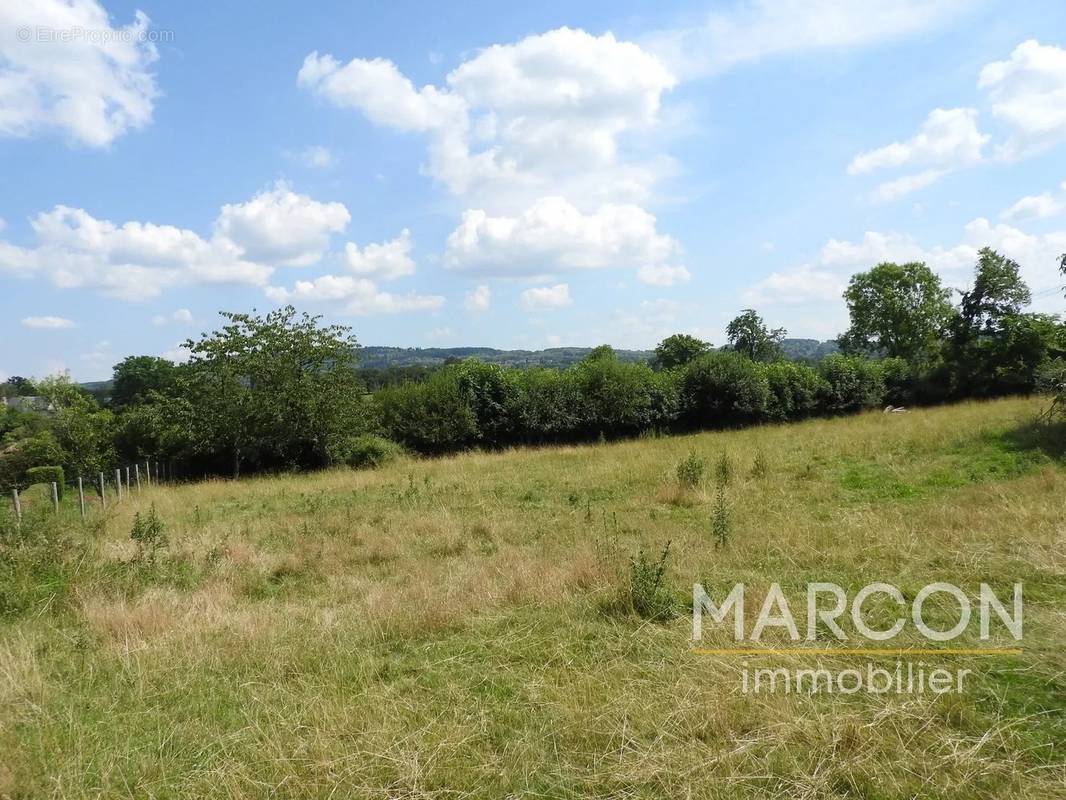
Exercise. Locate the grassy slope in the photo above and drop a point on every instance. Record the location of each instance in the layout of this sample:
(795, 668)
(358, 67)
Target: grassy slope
(438, 628)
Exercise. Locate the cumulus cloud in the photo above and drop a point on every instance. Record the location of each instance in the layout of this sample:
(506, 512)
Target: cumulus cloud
(754, 29)
(280, 227)
(388, 260)
(353, 296)
(554, 236)
(1039, 206)
(948, 140)
(93, 88)
(182, 316)
(53, 323)
(478, 299)
(518, 120)
(1028, 94)
(140, 260)
(540, 298)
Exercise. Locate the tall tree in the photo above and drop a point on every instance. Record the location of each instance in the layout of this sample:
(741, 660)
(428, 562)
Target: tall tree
(274, 390)
(897, 309)
(749, 336)
(998, 292)
(135, 378)
(679, 349)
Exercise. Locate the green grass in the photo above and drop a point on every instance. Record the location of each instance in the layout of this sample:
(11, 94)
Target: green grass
(453, 627)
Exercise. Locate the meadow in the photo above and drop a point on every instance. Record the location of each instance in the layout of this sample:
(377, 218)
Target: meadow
(467, 627)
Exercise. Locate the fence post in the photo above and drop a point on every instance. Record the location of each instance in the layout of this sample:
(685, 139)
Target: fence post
(103, 493)
(127, 481)
(148, 472)
(81, 498)
(118, 483)
(55, 497)
(137, 475)
(18, 505)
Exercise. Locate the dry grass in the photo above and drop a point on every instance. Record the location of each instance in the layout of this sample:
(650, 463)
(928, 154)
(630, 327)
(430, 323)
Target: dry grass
(440, 628)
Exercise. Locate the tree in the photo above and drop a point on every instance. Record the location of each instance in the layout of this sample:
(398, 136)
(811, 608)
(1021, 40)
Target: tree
(749, 336)
(274, 390)
(678, 350)
(135, 379)
(897, 310)
(998, 292)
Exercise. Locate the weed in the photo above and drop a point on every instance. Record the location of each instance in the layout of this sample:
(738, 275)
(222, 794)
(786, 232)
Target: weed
(721, 518)
(650, 596)
(759, 467)
(723, 470)
(690, 470)
(148, 533)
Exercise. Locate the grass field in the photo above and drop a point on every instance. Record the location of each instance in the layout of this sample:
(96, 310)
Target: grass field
(462, 627)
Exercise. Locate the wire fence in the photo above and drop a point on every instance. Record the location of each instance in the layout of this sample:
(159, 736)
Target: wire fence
(99, 491)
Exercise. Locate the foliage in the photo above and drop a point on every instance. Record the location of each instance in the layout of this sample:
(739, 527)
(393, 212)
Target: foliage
(650, 595)
(723, 469)
(897, 310)
(851, 383)
(749, 336)
(794, 390)
(998, 292)
(275, 390)
(47, 476)
(149, 533)
(430, 417)
(723, 389)
(690, 470)
(136, 378)
(369, 451)
(721, 518)
(678, 350)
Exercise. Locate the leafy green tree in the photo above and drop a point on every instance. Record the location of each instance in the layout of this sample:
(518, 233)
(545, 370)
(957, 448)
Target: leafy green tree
(897, 310)
(273, 390)
(998, 292)
(136, 378)
(83, 431)
(749, 336)
(679, 349)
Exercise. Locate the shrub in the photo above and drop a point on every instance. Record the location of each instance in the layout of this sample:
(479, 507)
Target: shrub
(491, 393)
(549, 405)
(370, 451)
(617, 399)
(721, 518)
(723, 470)
(148, 533)
(723, 389)
(899, 381)
(649, 593)
(851, 383)
(46, 475)
(690, 470)
(794, 390)
(430, 417)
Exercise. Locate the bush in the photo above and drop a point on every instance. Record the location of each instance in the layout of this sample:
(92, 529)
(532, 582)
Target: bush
(148, 533)
(724, 389)
(46, 475)
(794, 390)
(851, 383)
(370, 451)
(549, 405)
(650, 596)
(690, 470)
(899, 381)
(431, 417)
(491, 393)
(618, 399)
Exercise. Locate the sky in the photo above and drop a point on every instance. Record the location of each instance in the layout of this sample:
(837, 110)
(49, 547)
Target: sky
(510, 175)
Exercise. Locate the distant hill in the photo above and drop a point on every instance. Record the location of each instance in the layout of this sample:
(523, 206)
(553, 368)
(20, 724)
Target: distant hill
(375, 357)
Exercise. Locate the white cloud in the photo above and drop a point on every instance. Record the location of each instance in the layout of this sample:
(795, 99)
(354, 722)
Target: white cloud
(554, 236)
(73, 72)
(478, 299)
(515, 121)
(53, 323)
(281, 227)
(182, 316)
(1039, 206)
(1028, 93)
(388, 260)
(317, 156)
(662, 275)
(355, 296)
(140, 260)
(800, 286)
(754, 29)
(948, 140)
(546, 297)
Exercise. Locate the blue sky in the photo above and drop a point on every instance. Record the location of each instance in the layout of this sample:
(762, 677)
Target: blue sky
(509, 175)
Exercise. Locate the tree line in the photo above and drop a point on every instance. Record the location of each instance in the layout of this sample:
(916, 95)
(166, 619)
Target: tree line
(282, 391)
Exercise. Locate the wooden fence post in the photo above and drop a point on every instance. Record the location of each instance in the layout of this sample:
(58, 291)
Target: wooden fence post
(148, 472)
(118, 483)
(81, 498)
(55, 497)
(127, 481)
(137, 475)
(103, 493)
(18, 505)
